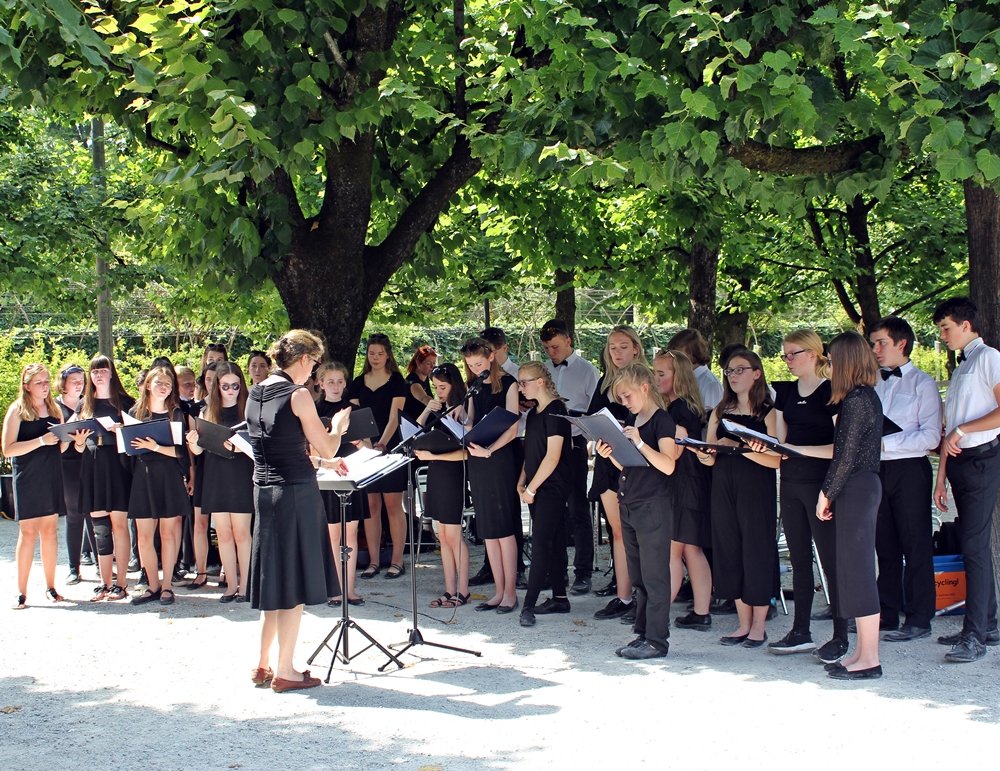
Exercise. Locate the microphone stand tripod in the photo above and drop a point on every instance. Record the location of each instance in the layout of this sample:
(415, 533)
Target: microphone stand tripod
(346, 623)
(415, 637)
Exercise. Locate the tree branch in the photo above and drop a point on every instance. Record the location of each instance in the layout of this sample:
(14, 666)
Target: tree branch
(889, 248)
(181, 151)
(845, 301)
(930, 295)
(828, 159)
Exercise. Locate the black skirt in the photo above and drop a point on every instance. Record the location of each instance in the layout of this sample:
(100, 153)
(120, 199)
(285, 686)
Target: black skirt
(228, 484)
(105, 479)
(692, 527)
(158, 490)
(292, 562)
(357, 511)
(445, 498)
(493, 482)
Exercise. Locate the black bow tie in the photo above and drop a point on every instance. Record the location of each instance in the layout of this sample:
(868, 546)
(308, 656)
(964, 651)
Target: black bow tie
(563, 363)
(894, 372)
(961, 357)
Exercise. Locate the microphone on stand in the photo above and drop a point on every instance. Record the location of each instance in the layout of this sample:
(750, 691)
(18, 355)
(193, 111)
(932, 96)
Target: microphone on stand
(477, 385)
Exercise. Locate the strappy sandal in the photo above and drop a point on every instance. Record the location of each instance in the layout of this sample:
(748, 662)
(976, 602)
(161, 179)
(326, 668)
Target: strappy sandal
(100, 593)
(371, 571)
(21, 602)
(195, 583)
(395, 571)
(444, 601)
(53, 595)
(262, 677)
(116, 592)
(461, 599)
(165, 599)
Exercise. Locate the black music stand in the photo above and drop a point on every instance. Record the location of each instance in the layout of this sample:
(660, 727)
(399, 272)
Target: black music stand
(345, 489)
(414, 635)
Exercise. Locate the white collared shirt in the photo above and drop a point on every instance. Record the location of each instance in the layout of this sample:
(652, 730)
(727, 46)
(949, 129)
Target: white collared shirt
(510, 367)
(575, 381)
(970, 392)
(913, 403)
(709, 386)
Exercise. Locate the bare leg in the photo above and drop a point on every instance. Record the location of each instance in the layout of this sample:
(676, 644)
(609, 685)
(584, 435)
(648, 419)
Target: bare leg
(758, 618)
(609, 499)
(288, 634)
(123, 548)
(27, 533)
(449, 565)
(334, 531)
(268, 631)
(744, 613)
(373, 527)
(700, 573)
(676, 568)
(494, 559)
(199, 537)
(865, 654)
(397, 525)
(462, 562)
(145, 530)
(227, 549)
(508, 556)
(352, 560)
(48, 532)
(170, 543)
(105, 563)
(244, 540)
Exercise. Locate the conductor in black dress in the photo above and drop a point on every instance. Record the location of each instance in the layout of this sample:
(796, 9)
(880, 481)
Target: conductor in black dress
(292, 564)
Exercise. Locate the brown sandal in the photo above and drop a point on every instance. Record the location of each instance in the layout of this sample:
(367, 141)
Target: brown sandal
(262, 677)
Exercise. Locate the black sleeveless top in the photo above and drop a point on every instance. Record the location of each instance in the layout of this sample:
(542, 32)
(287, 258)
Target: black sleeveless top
(484, 401)
(280, 449)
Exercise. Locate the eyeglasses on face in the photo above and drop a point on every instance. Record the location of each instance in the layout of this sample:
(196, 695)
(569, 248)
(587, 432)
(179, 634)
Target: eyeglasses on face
(527, 380)
(229, 386)
(789, 356)
(729, 372)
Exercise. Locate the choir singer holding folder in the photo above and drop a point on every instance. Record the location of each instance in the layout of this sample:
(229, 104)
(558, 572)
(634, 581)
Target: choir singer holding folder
(292, 563)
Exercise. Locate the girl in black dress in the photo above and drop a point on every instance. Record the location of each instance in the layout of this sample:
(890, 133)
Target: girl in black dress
(744, 501)
(646, 499)
(381, 387)
(227, 493)
(851, 493)
(446, 489)
(544, 484)
(623, 347)
(202, 520)
(333, 377)
(38, 492)
(106, 478)
(72, 381)
(493, 474)
(692, 488)
(806, 417)
(292, 564)
(418, 379)
(159, 498)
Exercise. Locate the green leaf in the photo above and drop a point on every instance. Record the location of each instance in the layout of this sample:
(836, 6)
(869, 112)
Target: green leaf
(989, 164)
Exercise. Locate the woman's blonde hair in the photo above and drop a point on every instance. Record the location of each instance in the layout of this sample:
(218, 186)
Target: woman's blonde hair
(610, 370)
(295, 344)
(538, 370)
(854, 364)
(332, 366)
(637, 375)
(809, 341)
(25, 409)
(476, 346)
(685, 383)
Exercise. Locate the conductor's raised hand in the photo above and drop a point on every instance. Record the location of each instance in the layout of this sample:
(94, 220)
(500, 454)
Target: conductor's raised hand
(340, 422)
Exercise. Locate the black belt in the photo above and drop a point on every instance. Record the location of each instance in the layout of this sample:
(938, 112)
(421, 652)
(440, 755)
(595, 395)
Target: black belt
(980, 449)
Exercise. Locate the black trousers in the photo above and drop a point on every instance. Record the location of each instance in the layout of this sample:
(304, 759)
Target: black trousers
(77, 521)
(855, 511)
(548, 546)
(647, 527)
(975, 479)
(578, 520)
(904, 542)
(801, 527)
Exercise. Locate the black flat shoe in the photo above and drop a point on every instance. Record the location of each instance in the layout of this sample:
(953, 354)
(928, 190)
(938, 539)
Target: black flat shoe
(906, 633)
(736, 639)
(527, 617)
(748, 643)
(228, 598)
(167, 597)
(485, 606)
(502, 609)
(872, 673)
(146, 596)
(642, 651)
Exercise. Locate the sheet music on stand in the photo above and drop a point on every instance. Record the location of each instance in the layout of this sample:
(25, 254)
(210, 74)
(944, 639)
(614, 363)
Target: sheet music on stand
(756, 436)
(363, 467)
(604, 428)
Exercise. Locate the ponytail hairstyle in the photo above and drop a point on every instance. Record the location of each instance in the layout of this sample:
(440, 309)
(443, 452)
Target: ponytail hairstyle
(141, 410)
(116, 391)
(759, 397)
(685, 383)
(390, 360)
(293, 345)
(854, 364)
(476, 346)
(25, 408)
(449, 373)
(610, 370)
(213, 408)
(638, 375)
(809, 341)
(538, 370)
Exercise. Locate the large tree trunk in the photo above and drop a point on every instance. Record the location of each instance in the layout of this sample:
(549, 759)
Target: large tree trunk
(865, 285)
(703, 268)
(566, 298)
(982, 217)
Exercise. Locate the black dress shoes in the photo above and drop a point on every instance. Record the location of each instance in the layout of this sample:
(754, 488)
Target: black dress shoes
(634, 643)
(694, 621)
(581, 586)
(607, 591)
(644, 650)
(906, 633)
(966, 650)
(992, 638)
(614, 609)
(734, 639)
(842, 673)
(528, 617)
(629, 617)
(552, 605)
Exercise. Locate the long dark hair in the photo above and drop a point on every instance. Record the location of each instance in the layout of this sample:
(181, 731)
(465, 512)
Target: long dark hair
(759, 397)
(116, 389)
(213, 407)
(449, 373)
(390, 361)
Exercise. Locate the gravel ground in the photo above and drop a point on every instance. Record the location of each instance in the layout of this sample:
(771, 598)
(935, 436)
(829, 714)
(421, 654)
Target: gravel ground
(91, 686)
